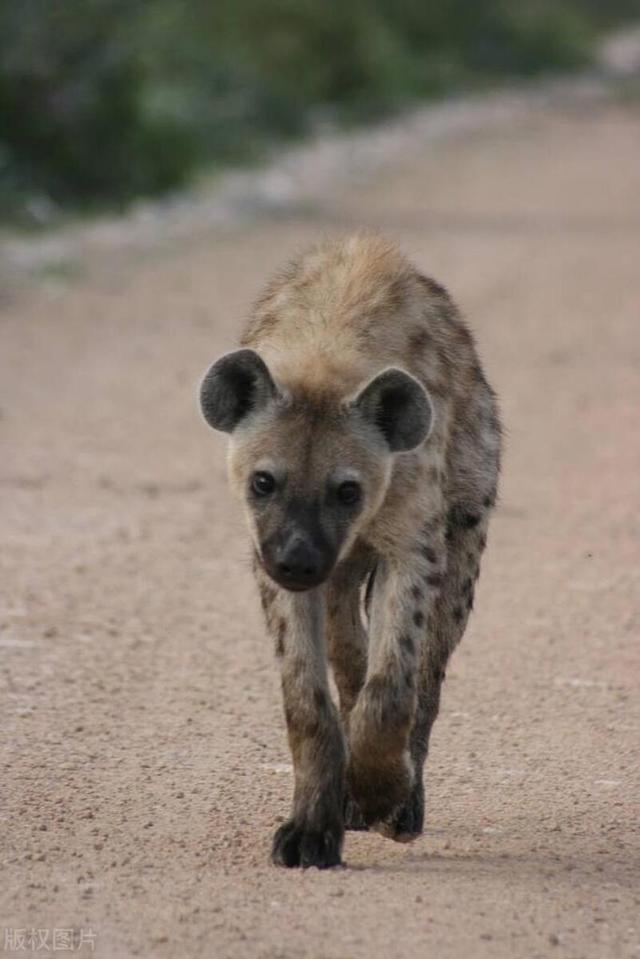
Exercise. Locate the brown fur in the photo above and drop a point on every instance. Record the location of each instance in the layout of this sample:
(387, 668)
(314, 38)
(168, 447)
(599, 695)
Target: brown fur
(331, 322)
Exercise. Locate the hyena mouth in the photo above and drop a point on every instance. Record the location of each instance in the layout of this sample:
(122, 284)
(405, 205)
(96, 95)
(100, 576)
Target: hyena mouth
(295, 583)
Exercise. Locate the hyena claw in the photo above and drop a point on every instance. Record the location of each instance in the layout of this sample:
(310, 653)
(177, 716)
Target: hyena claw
(297, 845)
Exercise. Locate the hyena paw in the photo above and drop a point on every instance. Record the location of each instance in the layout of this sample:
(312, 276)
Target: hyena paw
(407, 821)
(379, 790)
(297, 844)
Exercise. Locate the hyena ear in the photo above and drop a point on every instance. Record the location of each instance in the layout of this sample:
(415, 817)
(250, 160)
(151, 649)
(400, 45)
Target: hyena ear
(399, 406)
(237, 384)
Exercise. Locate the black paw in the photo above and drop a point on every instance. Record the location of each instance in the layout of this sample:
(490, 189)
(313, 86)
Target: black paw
(353, 818)
(298, 845)
(407, 822)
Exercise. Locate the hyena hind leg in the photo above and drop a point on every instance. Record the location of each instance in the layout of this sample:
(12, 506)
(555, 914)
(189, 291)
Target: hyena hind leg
(466, 540)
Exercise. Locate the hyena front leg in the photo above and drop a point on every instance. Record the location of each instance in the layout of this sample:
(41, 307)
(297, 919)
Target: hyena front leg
(347, 644)
(314, 833)
(466, 539)
(347, 639)
(381, 770)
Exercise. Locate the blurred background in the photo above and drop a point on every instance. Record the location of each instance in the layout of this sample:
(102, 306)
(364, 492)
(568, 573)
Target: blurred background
(104, 101)
(143, 748)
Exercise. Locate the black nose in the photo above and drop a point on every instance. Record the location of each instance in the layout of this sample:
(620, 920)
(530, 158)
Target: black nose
(299, 564)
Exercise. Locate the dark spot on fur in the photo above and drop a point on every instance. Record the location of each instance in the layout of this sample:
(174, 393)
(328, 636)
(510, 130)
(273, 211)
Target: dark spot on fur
(470, 602)
(460, 518)
(482, 542)
(389, 705)
(467, 586)
(407, 644)
(418, 618)
(416, 592)
(368, 591)
(320, 698)
(434, 579)
(418, 341)
(429, 554)
(458, 614)
(281, 633)
(489, 501)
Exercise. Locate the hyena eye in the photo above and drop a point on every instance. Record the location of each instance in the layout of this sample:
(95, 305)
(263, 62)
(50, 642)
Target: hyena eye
(349, 492)
(262, 483)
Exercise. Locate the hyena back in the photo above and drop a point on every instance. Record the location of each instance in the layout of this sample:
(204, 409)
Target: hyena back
(365, 447)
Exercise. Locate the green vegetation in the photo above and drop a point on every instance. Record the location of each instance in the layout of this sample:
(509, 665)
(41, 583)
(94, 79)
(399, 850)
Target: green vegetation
(102, 101)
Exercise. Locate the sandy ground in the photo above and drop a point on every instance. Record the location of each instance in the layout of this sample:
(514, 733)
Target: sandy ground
(144, 761)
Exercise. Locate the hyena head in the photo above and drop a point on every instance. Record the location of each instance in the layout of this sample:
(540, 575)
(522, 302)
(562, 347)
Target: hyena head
(311, 467)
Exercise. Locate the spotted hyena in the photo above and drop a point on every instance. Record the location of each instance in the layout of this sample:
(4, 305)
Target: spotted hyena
(365, 448)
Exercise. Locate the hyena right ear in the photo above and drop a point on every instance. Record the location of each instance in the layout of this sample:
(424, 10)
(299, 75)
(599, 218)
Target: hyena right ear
(237, 384)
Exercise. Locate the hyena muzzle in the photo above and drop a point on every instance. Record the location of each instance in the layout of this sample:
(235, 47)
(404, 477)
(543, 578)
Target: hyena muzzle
(365, 448)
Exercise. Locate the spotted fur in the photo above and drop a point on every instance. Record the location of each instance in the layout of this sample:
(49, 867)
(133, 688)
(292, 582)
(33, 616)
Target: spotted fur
(354, 364)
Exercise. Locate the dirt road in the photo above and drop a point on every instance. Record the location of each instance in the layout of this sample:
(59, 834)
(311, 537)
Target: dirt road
(144, 762)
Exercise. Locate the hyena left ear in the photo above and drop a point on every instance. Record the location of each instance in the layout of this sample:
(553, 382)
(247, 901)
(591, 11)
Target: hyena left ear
(399, 406)
(237, 384)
